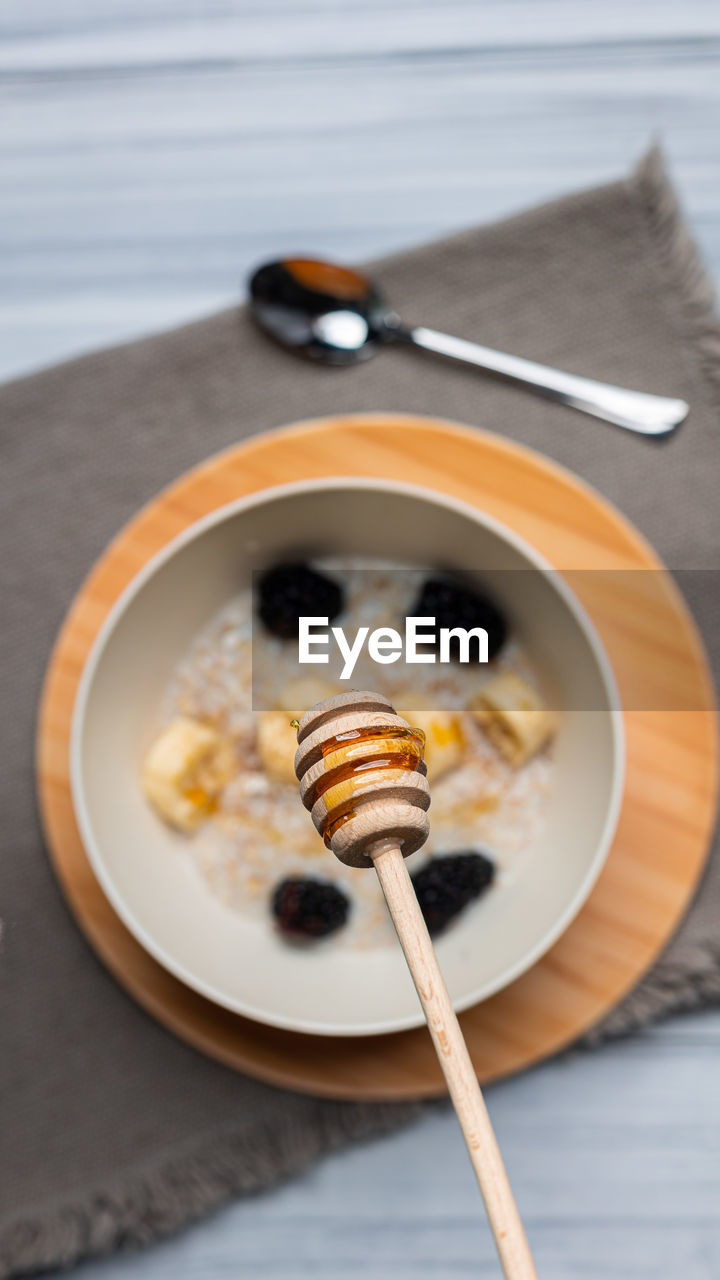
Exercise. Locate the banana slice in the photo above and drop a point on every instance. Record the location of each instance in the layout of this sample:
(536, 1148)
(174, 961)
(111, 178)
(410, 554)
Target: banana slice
(185, 770)
(276, 738)
(444, 739)
(514, 717)
(277, 744)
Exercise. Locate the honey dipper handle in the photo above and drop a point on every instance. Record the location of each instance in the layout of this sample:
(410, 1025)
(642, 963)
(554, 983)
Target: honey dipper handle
(452, 1052)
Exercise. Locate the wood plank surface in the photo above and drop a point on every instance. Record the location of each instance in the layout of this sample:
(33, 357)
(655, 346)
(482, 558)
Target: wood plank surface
(152, 151)
(612, 1155)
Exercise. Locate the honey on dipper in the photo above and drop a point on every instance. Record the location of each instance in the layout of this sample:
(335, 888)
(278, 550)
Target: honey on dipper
(362, 776)
(358, 756)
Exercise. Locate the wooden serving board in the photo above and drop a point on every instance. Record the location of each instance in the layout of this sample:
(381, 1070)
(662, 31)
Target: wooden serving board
(669, 804)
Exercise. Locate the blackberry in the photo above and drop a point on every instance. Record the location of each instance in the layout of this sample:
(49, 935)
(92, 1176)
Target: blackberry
(291, 591)
(446, 885)
(309, 908)
(453, 605)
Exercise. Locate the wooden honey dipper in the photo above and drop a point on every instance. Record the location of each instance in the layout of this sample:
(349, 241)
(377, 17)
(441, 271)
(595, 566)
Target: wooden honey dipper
(362, 776)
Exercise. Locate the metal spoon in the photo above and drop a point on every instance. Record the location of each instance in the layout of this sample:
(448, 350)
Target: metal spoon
(336, 315)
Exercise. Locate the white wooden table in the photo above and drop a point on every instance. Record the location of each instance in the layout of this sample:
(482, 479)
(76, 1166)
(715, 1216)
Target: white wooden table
(152, 151)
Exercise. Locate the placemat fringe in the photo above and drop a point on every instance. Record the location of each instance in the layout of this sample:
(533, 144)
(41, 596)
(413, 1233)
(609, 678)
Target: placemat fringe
(680, 264)
(141, 1207)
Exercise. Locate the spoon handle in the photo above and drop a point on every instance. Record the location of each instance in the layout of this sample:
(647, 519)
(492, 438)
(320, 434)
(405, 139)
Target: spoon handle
(634, 410)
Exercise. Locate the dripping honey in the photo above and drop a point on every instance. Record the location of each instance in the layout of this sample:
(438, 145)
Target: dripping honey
(357, 763)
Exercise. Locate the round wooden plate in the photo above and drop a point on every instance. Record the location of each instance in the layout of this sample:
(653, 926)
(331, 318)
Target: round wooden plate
(669, 804)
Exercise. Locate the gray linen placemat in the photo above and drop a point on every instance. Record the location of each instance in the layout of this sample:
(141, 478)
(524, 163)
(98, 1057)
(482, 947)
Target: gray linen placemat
(113, 1132)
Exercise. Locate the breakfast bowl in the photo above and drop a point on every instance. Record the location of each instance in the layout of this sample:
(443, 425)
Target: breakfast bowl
(174, 890)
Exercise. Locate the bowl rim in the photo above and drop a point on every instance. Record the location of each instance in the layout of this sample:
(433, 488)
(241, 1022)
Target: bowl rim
(197, 529)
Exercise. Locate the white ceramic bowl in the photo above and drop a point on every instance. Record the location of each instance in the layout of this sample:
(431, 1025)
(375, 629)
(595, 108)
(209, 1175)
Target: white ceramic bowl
(239, 962)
